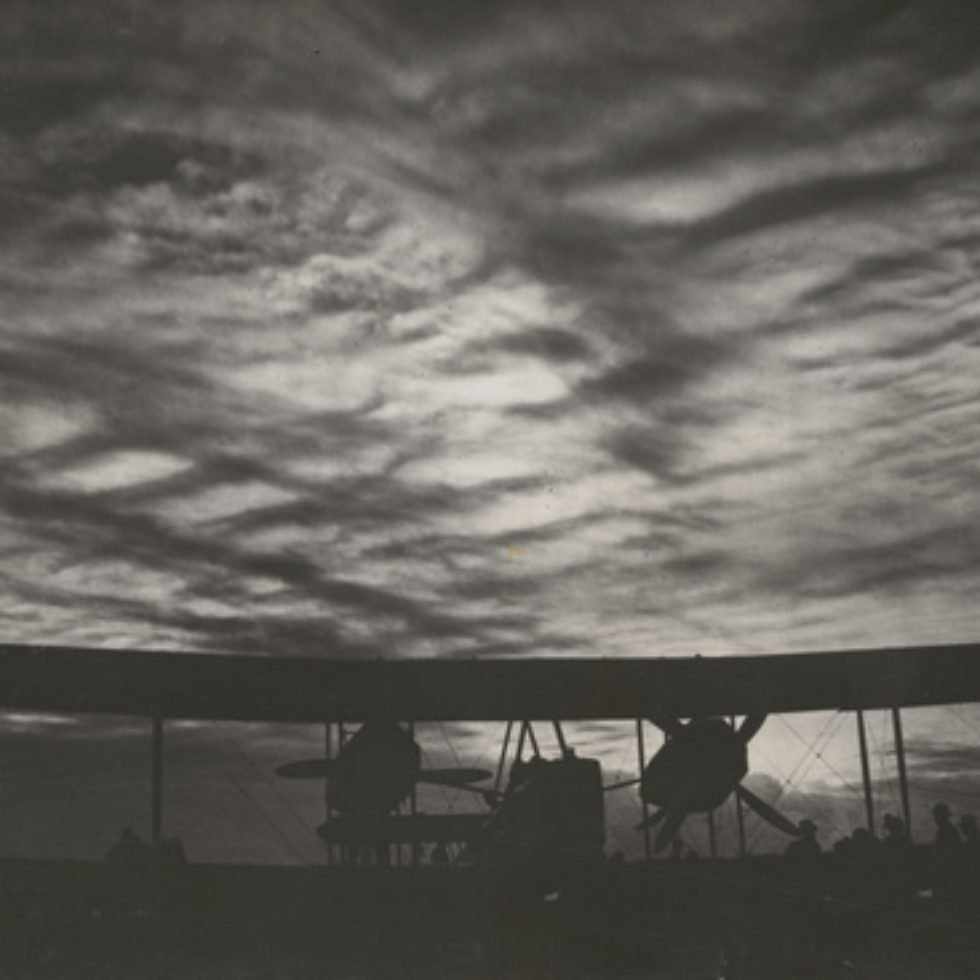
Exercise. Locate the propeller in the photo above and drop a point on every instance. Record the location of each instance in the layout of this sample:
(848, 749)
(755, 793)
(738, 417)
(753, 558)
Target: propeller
(771, 815)
(459, 778)
(671, 824)
(746, 731)
(652, 820)
(666, 722)
(687, 798)
(671, 820)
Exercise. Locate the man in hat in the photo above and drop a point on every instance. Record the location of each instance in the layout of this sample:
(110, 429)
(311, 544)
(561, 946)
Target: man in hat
(805, 846)
(896, 841)
(947, 859)
(947, 838)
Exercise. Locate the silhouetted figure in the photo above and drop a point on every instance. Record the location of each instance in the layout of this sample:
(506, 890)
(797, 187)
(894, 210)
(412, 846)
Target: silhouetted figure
(680, 848)
(171, 851)
(897, 872)
(969, 865)
(946, 868)
(841, 862)
(439, 854)
(971, 835)
(127, 888)
(130, 848)
(862, 878)
(896, 841)
(864, 845)
(805, 846)
(947, 838)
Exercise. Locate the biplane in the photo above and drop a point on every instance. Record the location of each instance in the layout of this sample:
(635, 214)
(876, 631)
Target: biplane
(694, 701)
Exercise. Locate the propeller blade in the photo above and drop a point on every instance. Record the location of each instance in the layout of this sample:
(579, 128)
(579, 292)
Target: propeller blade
(750, 725)
(652, 820)
(458, 778)
(669, 830)
(621, 785)
(768, 813)
(666, 722)
(306, 769)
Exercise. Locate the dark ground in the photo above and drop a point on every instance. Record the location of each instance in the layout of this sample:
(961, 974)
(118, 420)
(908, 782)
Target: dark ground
(688, 919)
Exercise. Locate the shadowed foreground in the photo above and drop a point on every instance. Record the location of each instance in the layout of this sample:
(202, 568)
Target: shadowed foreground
(676, 919)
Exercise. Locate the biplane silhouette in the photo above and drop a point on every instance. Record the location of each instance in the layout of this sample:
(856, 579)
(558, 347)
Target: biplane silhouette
(692, 700)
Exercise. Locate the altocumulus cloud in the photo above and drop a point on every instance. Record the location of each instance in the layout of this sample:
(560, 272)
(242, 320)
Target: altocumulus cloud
(455, 328)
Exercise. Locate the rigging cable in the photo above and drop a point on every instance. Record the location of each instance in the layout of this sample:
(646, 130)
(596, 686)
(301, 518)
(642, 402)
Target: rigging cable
(816, 749)
(290, 845)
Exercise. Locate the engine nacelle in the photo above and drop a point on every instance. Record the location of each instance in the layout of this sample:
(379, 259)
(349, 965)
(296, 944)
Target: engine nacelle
(699, 766)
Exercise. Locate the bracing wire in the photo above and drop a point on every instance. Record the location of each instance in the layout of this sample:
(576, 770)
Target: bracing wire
(270, 783)
(816, 750)
(974, 729)
(844, 781)
(258, 808)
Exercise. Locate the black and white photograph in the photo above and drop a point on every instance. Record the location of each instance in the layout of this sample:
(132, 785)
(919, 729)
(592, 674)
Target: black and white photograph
(489, 490)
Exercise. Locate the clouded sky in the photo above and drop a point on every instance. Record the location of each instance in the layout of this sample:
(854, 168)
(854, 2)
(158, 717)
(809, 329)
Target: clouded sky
(449, 328)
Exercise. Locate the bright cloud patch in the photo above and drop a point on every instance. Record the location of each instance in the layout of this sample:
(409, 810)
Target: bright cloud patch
(120, 470)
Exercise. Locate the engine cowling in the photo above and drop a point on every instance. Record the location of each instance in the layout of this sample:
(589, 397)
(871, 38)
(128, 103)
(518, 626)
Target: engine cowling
(700, 766)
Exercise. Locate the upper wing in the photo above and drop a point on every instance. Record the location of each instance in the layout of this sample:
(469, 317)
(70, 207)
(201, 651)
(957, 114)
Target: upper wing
(250, 688)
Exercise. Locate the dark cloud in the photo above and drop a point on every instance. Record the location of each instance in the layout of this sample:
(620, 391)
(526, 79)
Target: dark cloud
(807, 199)
(965, 332)
(431, 23)
(892, 567)
(670, 362)
(659, 452)
(940, 759)
(547, 343)
(703, 564)
(886, 269)
(30, 105)
(68, 518)
(755, 466)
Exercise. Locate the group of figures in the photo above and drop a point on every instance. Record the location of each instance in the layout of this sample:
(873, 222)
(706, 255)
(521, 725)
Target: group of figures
(951, 837)
(868, 899)
(889, 863)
